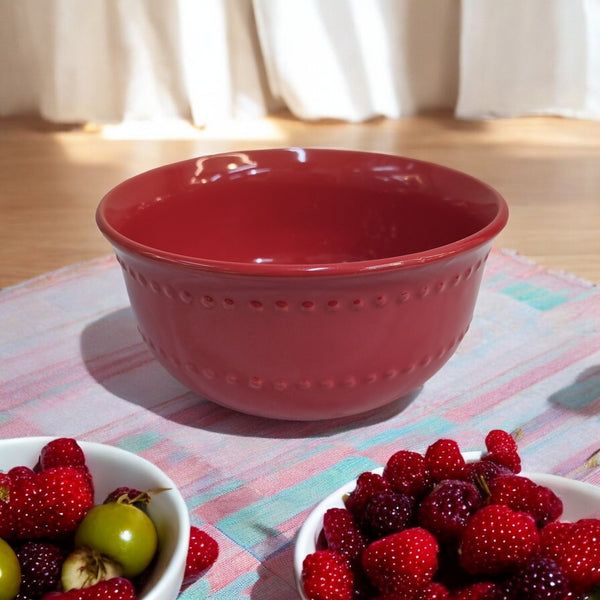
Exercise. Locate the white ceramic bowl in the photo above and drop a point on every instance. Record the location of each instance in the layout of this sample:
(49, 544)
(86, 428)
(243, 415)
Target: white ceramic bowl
(580, 500)
(112, 467)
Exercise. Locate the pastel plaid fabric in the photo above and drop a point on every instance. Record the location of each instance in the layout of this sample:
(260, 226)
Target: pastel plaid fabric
(73, 364)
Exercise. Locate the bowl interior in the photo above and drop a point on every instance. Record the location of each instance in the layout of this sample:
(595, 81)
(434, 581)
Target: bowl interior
(112, 467)
(293, 206)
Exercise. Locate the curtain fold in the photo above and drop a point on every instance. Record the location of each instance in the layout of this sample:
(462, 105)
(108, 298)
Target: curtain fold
(529, 58)
(352, 60)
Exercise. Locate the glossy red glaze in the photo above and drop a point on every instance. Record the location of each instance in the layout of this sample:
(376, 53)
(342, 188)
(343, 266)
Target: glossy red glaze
(302, 283)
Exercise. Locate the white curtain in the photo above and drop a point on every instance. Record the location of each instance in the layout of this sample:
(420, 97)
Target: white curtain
(209, 60)
(530, 57)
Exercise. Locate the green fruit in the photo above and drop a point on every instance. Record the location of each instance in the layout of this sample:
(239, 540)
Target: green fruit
(10, 572)
(85, 567)
(122, 532)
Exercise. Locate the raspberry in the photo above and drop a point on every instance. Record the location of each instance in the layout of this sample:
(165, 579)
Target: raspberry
(541, 579)
(326, 575)
(69, 489)
(498, 540)
(342, 534)
(43, 505)
(498, 440)
(388, 512)
(447, 508)
(203, 551)
(502, 449)
(407, 472)
(444, 460)
(520, 493)
(549, 506)
(402, 563)
(117, 588)
(434, 591)
(574, 546)
(21, 474)
(61, 452)
(367, 485)
(40, 568)
(554, 537)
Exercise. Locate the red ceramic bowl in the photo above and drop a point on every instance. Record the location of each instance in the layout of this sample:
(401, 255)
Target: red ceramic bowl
(302, 283)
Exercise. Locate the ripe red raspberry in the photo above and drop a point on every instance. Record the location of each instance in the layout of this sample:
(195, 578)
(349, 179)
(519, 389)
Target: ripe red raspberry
(444, 460)
(498, 540)
(21, 474)
(117, 588)
(326, 575)
(575, 547)
(407, 472)
(40, 568)
(203, 551)
(446, 510)
(367, 485)
(68, 488)
(502, 449)
(402, 563)
(521, 493)
(387, 513)
(44, 505)
(482, 590)
(342, 534)
(61, 452)
(554, 537)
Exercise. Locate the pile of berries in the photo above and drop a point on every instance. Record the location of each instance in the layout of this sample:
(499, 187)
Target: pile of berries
(55, 544)
(433, 527)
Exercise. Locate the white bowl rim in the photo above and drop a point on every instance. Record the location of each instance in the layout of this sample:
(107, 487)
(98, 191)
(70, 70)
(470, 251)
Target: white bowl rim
(177, 561)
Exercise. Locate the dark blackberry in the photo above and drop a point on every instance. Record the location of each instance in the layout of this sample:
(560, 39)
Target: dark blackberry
(342, 533)
(387, 513)
(447, 508)
(40, 568)
(367, 485)
(483, 471)
(541, 579)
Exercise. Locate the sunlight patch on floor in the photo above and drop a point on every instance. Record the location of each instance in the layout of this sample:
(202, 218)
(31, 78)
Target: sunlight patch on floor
(262, 129)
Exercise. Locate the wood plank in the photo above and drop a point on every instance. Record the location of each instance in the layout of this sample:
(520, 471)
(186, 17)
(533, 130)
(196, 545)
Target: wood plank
(52, 177)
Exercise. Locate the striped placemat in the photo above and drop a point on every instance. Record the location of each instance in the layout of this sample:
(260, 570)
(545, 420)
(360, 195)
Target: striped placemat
(73, 364)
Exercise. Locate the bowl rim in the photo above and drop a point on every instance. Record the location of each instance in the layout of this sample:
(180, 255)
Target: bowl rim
(173, 572)
(483, 236)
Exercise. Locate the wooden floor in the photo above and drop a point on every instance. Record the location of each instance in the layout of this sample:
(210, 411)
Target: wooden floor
(548, 169)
